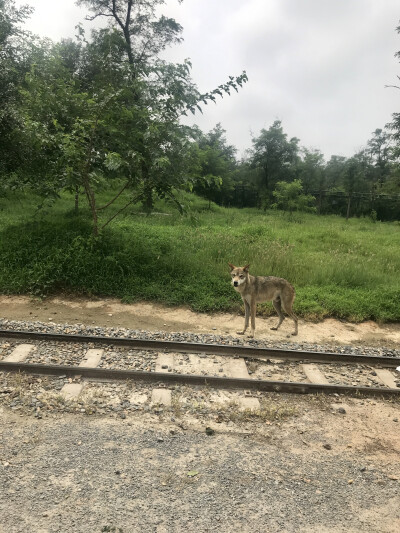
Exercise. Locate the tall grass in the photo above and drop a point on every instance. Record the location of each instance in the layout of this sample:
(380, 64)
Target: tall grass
(343, 269)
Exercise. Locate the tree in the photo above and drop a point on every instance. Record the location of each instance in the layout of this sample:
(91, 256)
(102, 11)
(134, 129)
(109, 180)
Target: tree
(274, 156)
(15, 56)
(334, 170)
(354, 178)
(217, 163)
(380, 151)
(110, 108)
(311, 172)
(143, 33)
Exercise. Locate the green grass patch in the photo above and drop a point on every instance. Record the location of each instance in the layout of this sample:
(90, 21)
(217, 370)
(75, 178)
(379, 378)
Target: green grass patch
(342, 269)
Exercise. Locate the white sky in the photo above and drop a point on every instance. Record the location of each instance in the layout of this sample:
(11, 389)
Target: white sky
(320, 66)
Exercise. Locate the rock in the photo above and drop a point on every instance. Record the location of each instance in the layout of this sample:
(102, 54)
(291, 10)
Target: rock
(327, 447)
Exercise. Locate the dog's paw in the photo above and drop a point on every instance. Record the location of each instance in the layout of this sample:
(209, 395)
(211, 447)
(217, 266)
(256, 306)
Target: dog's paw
(240, 333)
(274, 329)
(294, 333)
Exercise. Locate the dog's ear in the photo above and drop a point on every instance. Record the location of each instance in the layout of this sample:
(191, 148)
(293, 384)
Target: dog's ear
(232, 267)
(246, 268)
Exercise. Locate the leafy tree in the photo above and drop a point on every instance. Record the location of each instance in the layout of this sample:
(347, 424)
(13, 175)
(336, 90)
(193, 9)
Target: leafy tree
(217, 164)
(334, 170)
(274, 157)
(290, 197)
(311, 172)
(16, 49)
(380, 151)
(109, 108)
(354, 177)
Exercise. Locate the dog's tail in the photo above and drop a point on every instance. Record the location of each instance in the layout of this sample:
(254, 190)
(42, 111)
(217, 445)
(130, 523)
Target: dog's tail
(294, 291)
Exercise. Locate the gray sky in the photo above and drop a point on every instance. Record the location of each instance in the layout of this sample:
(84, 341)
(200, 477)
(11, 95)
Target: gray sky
(320, 66)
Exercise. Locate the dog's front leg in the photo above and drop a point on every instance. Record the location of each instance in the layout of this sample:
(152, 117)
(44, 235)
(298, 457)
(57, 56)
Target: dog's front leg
(253, 306)
(246, 318)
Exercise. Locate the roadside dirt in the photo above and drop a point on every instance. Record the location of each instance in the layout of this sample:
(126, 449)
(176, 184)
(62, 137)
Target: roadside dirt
(154, 317)
(318, 472)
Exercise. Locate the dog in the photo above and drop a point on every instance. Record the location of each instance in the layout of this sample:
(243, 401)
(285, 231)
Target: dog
(255, 289)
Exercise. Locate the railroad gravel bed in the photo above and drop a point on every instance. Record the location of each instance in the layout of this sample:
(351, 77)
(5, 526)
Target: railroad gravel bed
(125, 359)
(40, 396)
(276, 371)
(81, 329)
(57, 353)
(361, 376)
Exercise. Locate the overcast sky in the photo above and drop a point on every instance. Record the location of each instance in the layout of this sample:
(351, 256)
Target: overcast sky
(319, 66)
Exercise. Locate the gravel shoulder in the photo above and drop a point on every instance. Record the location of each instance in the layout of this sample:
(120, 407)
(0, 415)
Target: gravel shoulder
(307, 464)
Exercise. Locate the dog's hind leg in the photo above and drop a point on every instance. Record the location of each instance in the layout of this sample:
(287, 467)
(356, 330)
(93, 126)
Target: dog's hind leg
(288, 309)
(246, 318)
(278, 308)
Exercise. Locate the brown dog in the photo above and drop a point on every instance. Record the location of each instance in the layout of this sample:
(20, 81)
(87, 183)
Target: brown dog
(255, 289)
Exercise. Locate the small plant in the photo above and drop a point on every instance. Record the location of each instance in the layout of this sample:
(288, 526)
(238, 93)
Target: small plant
(290, 197)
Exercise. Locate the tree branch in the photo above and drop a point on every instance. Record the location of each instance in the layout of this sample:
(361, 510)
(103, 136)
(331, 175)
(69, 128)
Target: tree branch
(89, 18)
(115, 15)
(115, 197)
(134, 200)
(128, 14)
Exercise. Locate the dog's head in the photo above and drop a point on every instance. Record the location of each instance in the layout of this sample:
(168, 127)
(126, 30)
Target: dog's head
(239, 274)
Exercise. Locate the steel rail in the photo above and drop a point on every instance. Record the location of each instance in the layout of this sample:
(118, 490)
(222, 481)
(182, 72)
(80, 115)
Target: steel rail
(214, 349)
(191, 379)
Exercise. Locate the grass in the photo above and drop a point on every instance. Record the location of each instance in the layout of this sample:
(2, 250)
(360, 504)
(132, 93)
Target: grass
(342, 269)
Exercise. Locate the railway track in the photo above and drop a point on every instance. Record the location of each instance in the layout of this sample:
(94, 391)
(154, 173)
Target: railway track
(196, 364)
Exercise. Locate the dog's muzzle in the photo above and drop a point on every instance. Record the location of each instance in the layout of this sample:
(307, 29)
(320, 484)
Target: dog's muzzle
(235, 284)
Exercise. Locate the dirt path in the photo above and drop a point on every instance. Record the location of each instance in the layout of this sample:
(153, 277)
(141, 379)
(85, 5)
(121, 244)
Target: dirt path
(318, 472)
(154, 317)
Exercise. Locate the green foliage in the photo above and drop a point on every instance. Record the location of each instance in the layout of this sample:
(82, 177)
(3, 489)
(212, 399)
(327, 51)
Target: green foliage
(15, 56)
(290, 197)
(108, 108)
(213, 175)
(274, 157)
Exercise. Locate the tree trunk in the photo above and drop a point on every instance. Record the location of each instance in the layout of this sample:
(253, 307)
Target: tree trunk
(319, 202)
(92, 204)
(76, 199)
(348, 207)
